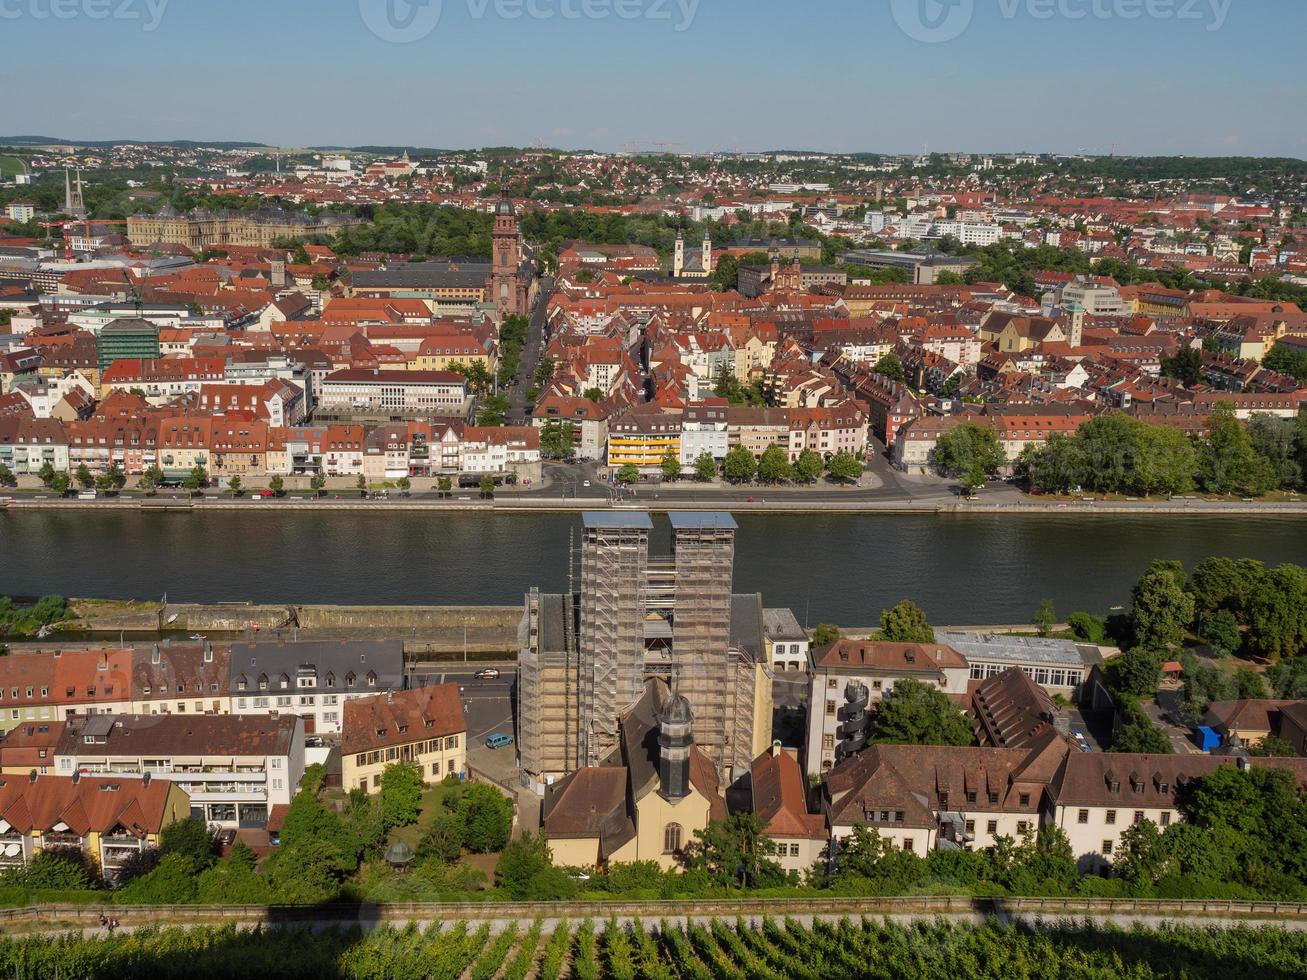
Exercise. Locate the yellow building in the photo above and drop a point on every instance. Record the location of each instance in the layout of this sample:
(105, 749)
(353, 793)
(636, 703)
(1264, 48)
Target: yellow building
(109, 819)
(424, 726)
(642, 437)
(209, 229)
(645, 801)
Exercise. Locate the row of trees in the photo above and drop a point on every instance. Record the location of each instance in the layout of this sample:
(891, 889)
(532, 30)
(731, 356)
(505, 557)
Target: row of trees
(741, 466)
(1120, 454)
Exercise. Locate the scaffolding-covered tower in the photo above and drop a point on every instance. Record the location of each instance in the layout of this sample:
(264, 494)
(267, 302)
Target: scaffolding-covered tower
(585, 658)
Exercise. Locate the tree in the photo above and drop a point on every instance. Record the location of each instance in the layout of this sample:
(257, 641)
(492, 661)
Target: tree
(443, 840)
(844, 466)
(891, 367)
(595, 395)
(1221, 631)
(401, 794)
(1045, 617)
(906, 623)
(628, 473)
(971, 453)
(191, 839)
(739, 465)
(734, 853)
(487, 486)
(919, 714)
(705, 467)
(84, 478)
(1277, 613)
(277, 485)
(1186, 367)
(404, 484)
(1137, 734)
(556, 440)
(1136, 673)
(1274, 440)
(487, 817)
(774, 466)
(1141, 857)
(115, 478)
(445, 485)
(494, 411)
(808, 467)
(196, 479)
(318, 482)
(150, 479)
(61, 483)
(726, 276)
(1162, 609)
(234, 485)
(1226, 460)
(824, 634)
(361, 485)
(46, 473)
(1087, 628)
(526, 871)
(671, 465)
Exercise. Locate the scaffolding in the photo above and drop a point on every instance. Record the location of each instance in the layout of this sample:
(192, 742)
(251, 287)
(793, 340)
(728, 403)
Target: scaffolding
(587, 655)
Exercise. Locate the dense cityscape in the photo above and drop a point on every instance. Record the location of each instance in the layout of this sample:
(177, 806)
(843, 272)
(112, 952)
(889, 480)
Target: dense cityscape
(636, 557)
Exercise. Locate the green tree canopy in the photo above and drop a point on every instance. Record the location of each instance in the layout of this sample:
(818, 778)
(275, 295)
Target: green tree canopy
(906, 623)
(919, 714)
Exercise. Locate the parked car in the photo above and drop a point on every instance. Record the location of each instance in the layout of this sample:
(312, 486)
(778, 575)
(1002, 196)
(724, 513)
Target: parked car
(86, 495)
(487, 674)
(499, 740)
(265, 494)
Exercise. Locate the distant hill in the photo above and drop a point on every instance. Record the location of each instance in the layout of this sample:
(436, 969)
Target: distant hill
(179, 144)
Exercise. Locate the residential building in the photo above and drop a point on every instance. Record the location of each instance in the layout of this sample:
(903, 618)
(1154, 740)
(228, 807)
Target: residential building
(424, 726)
(233, 769)
(779, 798)
(1058, 666)
(110, 820)
(314, 679)
(785, 640)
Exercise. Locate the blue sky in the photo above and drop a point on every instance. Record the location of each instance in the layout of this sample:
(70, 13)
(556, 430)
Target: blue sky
(1179, 76)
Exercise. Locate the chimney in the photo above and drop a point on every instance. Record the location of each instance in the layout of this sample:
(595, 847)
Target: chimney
(145, 779)
(154, 654)
(77, 777)
(31, 776)
(775, 748)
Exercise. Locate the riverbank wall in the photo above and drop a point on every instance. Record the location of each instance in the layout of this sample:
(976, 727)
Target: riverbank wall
(792, 505)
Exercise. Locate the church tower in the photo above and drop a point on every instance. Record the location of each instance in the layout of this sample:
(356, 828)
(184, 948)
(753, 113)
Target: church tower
(707, 255)
(675, 743)
(678, 257)
(507, 291)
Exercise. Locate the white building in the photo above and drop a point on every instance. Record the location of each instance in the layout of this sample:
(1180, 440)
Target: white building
(233, 769)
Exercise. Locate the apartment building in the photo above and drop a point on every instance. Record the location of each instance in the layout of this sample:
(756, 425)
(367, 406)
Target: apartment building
(362, 393)
(110, 820)
(312, 680)
(233, 769)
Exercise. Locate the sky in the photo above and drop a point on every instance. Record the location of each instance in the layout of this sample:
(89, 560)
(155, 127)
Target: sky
(1199, 77)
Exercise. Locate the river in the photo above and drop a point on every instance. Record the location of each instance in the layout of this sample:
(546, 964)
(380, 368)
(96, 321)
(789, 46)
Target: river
(829, 568)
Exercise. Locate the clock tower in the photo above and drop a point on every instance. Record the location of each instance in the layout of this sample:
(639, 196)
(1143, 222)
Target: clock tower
(507, 288)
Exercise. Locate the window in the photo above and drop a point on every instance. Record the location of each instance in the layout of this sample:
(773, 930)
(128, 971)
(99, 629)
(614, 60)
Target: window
(907, 843)
(1025, 799)
(1166, 818)
(993, 798)
(1022, 826)
(832, 683)
(1139, 816)
(1107, 848)
(971, 797)
(971, 826)
(671, 838)
(830, 708)
(991, 827)
(1111, 816)
(1082, 816)
(828, 742)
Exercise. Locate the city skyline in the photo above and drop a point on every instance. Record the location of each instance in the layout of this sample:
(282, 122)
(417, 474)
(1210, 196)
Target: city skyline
(1071, 76)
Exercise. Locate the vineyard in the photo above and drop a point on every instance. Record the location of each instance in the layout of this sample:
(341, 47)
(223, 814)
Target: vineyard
(644, 951)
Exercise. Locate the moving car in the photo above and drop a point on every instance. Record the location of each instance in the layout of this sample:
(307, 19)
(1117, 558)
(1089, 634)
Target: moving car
(499, 740)
(487, 674)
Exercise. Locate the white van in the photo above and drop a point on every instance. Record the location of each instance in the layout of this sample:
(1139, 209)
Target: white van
(86, 495)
